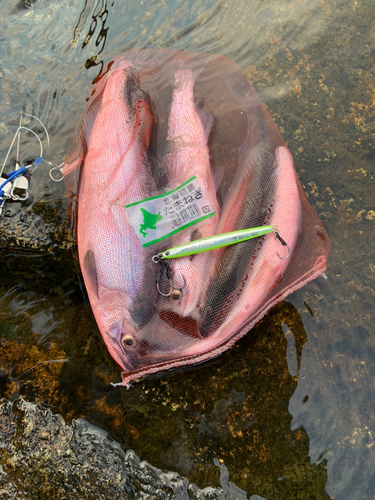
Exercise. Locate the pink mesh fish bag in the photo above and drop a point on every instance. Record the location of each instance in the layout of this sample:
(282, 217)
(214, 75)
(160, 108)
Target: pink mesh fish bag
(175, 147)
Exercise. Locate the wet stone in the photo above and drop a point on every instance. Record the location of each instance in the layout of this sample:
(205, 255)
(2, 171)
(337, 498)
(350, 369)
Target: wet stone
(44, 457)
(361, 332)
(41, 228)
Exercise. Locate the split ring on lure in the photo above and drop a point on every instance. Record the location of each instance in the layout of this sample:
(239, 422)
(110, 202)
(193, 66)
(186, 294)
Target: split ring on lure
(210, 243)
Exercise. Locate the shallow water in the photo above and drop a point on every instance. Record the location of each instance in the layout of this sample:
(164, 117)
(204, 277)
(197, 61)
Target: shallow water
(289, 409)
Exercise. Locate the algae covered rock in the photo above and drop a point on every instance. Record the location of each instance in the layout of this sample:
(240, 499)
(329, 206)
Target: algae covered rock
(44, 457)
(41, 227)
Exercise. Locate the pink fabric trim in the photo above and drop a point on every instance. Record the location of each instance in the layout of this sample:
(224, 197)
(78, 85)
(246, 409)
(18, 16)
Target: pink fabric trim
(317, 270)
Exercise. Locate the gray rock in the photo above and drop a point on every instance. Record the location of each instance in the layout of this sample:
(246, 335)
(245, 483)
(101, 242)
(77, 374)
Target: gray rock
(44, 457)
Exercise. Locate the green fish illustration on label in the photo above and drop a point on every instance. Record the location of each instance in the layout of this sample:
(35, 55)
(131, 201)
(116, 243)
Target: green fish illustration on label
(149, 221)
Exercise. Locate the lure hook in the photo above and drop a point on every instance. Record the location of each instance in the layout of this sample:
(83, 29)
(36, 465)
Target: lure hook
(284, 243)
(164, 266)
(164, 294)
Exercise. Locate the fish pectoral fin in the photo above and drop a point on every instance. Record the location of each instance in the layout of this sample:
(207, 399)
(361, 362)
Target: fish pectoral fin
(91, 277)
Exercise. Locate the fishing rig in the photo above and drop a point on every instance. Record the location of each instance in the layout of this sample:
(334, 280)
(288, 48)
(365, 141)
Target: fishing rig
(205, 245)
(14, 185)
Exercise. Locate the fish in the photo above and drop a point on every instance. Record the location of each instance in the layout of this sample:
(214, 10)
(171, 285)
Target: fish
(188, 129)
(246, 205)
(155, 119)
(108, 248)
(269, 261)
(130, 173)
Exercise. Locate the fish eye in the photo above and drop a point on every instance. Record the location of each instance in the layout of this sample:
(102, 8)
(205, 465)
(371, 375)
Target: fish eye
(127, 341)
(176, 296)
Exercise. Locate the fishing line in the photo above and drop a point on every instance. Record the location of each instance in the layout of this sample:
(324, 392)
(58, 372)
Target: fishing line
(17, 180)
(14, 138)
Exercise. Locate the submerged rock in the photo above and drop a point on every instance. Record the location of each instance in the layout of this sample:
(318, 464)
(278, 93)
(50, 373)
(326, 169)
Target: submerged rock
(38, 228)
(44, 457)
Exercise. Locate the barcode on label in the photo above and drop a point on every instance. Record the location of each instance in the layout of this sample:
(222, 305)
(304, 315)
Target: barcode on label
(185, 214)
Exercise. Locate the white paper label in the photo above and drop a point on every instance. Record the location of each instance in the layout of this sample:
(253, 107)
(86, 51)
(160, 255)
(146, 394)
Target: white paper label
(155, 219)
